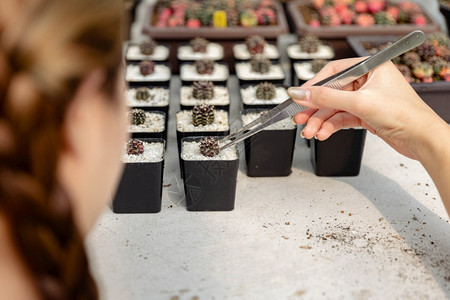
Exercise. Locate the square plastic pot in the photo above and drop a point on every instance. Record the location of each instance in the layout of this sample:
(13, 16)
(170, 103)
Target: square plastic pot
(151, 82)
(340, 154)
(259, 106)
(210, 185)
(153, 135)
(140, 188)
(269, 152)
(164, 57)
(225, 107)
(185, 80)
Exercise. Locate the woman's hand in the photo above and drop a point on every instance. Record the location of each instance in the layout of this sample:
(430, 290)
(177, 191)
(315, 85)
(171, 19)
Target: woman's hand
(381, 101)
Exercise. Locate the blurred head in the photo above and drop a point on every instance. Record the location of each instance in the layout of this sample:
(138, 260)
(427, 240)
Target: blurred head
(62, 128)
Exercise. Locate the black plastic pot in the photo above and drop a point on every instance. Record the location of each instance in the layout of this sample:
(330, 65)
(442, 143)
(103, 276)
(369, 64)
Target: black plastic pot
(248, 81)
(164, 109)
(237, 59)
(210, 185)
(269, 152)
(151, 82)
(140, 188)
(153, 135)
(445, 10)
(257, 106)
(190, 81)
(340, 154)
(225, 107)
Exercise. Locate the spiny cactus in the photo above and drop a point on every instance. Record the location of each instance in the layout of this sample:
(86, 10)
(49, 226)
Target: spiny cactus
(383, 18)
(204, 66)
(203, 114)
(426, 49)
(209, 147)
(317, 65)
(148, 47)
(266, 91)
(423, 71)
(439, 39)
(255, 44)
(203, 90)
(437, 63)
(260, 64)
(410, 58)
(146, 67)
(137, 116)
(142, 94)
(309, 44)
(135, 147)
(199, 44)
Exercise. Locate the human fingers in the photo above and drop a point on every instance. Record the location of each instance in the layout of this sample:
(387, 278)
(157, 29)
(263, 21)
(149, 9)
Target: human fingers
(337, 122)
(303, 116)
(316, 120)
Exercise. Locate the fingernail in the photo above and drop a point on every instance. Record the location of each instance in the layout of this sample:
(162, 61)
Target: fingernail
(293, 121)
(302, 135)
(315, 136)
(299, 93)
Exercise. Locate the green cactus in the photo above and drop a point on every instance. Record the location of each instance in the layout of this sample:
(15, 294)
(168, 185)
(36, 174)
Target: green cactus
(423, 71)
(143, 94)
(309, 44)
(317, 65)
(265, 91)
(203, 115)
(411, 58)
(135, 147)
(203, 90)
(148, 47)
(209, 147)
(383, 18)
(260, 64)
(137, 116)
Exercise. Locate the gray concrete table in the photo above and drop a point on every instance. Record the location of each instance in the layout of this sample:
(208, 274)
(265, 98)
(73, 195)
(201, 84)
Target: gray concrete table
(381, 235)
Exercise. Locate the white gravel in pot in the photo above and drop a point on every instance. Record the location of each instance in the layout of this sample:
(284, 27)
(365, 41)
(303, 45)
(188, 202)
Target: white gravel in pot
(161, 53)
(184, 122)
(281, 125)
(324, 52)
(221, 96)
(244, 71)
(240, 51)
(154, 122)
(214, 51)
(303, 71)
(162, 73)
(188, 72)
(153, 152)
(191, 151)
(158, 97)
(248, 95)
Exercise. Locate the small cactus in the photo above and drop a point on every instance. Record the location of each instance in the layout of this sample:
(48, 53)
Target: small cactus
(209, 147)
(204, 66)
(406, 71)
(265, 91)
(317, 65)
(148, 47)
(147, 67)
(199, 44)
(135, 147)
(203, 115)
(142, 94)
(383, 18)
(410, 58)
(426, 50)
(439, 39)
(260, 64)
(255, 44)
(203, 90)
(309, 44)
(423, 71)
(137, 116)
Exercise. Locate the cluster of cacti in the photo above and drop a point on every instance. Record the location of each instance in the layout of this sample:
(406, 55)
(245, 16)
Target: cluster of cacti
(194, 14)
(255, 44)
(260, 64)
(136, 116)
(203, 114)
(266, 91)
(209, 147)
(309, 44)
(426, 63)
(204, 66)
(203, 90)
(135, 147)
(364, 13)
(143, 94)
(146, 67)
(317, 65)
(148, 47)
(199, 44)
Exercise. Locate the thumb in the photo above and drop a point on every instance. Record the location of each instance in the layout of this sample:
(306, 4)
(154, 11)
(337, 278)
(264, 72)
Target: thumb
(317, 97)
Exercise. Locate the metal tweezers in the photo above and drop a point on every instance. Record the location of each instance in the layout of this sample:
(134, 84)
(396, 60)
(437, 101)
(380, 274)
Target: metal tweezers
(337, 81)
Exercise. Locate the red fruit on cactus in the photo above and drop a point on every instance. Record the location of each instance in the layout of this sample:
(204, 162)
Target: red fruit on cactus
(419, 19)
(360, 6)
(409, 7)
(172, 22)
(314, 23)
(375, 6)
(347, 16)
(393, 11)
(340, 7)
(165, 14)
(365, 20)
(266, 16)
(318, 4)
(193, 23)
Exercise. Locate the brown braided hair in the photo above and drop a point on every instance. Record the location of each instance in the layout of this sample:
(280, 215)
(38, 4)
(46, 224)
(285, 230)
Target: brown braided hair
(46, 48)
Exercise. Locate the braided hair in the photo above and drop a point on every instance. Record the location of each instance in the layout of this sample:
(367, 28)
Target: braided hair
(46, 48)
